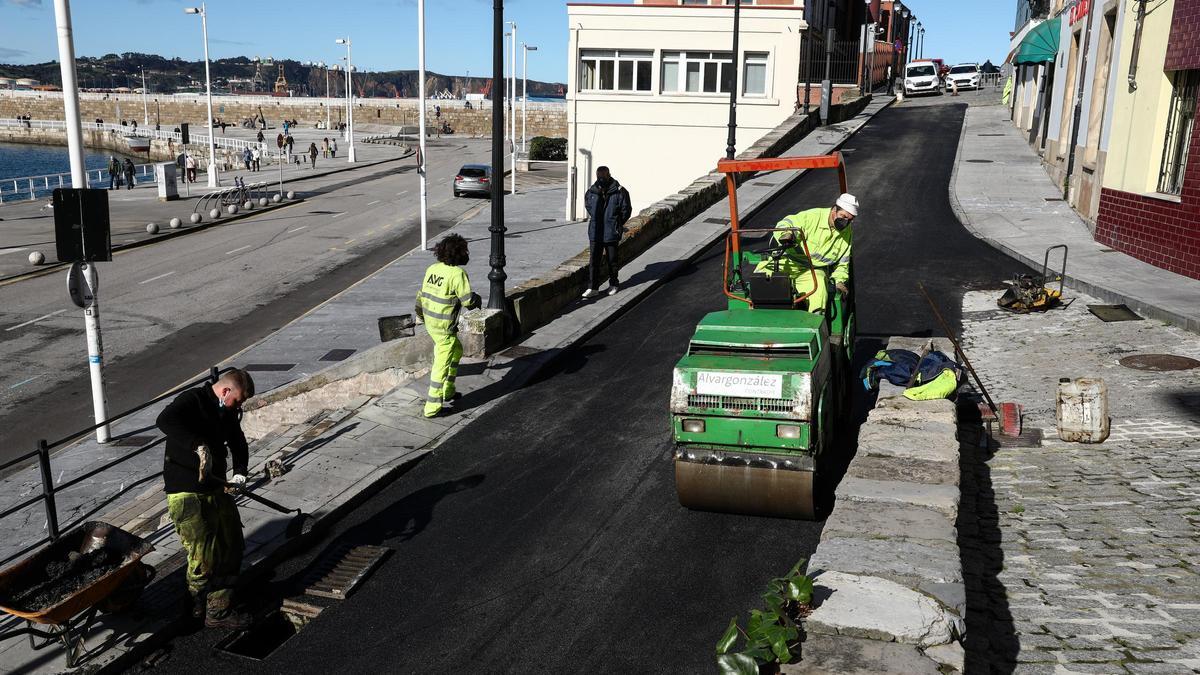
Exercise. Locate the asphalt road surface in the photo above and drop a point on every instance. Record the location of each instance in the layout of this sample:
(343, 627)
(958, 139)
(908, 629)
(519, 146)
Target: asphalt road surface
(547, 536)
(172, 309)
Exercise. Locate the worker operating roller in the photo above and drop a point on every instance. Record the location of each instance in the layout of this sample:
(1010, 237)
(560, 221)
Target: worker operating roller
(444, 292)
(826, 233)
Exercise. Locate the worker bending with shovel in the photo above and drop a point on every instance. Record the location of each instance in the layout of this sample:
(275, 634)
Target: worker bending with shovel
(826, 231)
(202, 426)
(444, 292)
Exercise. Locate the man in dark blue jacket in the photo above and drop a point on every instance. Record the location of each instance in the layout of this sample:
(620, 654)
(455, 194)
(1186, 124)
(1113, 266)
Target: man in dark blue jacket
(608, 208)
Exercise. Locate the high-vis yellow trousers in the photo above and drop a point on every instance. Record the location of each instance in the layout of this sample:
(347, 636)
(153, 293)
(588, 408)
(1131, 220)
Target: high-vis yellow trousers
(447, 351)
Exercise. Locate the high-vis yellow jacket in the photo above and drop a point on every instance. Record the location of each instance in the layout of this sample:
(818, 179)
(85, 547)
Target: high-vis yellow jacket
(829, 248)
(445, 291)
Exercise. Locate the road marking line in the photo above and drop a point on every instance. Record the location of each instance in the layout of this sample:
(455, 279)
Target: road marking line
(374, 202)
(350, 241)
(161, 276)
(24, 382)
(402, 193)
(13, 250)
(296, 229)
(47, 316)
(338, 215)
(242, 248)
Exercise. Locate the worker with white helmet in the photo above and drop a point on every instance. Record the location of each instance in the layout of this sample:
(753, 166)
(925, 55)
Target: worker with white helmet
(827, 234)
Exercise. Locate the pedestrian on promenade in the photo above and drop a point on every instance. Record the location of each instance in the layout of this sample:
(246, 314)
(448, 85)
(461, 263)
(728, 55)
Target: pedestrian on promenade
(256, 157)
(312, 154)
(608, 209)
(190, 163)
(325, 148)
(261, 138)
(135, 125)
(114, 172)
(333, 147)
(444, 292)
(246, 158)
(290, 142)
(827, 236)
(203, 426)
(129, 171)
(285, 128)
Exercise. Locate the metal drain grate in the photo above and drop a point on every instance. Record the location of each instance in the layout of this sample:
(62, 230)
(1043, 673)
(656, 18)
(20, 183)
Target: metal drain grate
(132, 441)
(1113, 313)
(1052, 199)
(549, 220)
(980, 161)
(339, 572)
(989, 134)
(338, 354)
(270, 366)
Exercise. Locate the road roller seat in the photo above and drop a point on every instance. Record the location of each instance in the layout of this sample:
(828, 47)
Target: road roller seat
(774, 291)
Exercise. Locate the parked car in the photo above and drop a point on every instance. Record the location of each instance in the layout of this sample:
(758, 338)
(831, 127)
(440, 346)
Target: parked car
(473, 179)
(920, 77)
(965, 75)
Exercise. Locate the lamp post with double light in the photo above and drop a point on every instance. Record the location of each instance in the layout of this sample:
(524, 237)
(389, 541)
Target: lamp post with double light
(349, 99)
(525, 49)
(213, 181)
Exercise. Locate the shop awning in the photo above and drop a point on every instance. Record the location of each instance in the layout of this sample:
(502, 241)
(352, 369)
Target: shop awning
(1041, 44)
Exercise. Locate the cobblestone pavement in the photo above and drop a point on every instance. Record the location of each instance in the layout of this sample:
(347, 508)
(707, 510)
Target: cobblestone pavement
(1084, 558)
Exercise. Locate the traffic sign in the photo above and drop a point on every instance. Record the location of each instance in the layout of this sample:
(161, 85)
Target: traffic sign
(81, 227)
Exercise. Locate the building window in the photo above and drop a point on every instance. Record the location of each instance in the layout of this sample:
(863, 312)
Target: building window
(694, 2)
(697, 72)
(744, 2)
(754, 74)
(612, 70)
(1181, 120)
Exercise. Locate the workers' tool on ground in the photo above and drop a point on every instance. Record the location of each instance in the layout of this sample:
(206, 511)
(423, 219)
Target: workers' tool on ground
(301, 524)
(958, 348)
(1029, 293)
(755, 400)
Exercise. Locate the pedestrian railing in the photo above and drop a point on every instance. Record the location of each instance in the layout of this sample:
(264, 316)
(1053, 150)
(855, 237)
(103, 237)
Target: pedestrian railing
(30, 188)
(50, 489)
(140, 131)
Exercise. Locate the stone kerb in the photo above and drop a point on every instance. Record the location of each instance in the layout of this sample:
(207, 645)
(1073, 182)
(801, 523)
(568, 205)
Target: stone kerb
(888, 567)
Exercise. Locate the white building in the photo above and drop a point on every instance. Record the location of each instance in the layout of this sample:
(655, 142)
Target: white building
(649, 89)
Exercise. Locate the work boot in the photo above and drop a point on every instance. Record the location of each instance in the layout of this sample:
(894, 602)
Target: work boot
(227, 618)
(194, 605)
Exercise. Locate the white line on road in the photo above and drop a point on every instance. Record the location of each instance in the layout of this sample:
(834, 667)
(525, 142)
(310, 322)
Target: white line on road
(24, 382)
(374, 202)
(296, 229)
(161, 276)
(13, 250)
(240, 248)
(401, 194)
(338, 215)
(47, 316)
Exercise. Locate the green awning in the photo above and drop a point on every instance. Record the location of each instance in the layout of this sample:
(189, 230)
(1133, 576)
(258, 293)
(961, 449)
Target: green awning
(1041, 44)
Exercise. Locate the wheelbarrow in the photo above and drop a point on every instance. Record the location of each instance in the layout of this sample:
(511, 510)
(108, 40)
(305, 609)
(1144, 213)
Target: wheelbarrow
(59, 590)
(1035, 293)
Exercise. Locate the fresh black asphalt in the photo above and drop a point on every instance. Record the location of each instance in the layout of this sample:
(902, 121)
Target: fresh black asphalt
(547, 536)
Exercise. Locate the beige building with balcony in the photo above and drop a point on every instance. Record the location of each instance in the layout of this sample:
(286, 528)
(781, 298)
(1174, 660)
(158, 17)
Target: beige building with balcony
(649, 89)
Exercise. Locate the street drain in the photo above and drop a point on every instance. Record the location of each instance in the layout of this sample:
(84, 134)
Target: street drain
(339, 572)
(267, 635)
(1109, 313)
(1159, 362)
(980, 161)
(131, 441)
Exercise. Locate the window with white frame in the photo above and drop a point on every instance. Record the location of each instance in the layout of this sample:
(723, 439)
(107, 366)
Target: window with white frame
(615, 70)
(697, 72)
(754, 74)
(1181, 119)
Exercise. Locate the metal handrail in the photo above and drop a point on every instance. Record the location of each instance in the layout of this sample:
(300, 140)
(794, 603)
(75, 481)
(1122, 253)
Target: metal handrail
(50, 490)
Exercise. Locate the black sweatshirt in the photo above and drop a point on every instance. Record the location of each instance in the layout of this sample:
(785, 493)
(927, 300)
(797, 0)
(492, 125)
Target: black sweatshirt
(196, 418)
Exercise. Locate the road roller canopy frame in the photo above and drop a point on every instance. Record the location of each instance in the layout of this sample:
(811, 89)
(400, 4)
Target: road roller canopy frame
(733, 244)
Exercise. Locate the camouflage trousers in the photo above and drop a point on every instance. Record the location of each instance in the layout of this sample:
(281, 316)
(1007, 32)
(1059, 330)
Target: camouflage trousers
(210, 530)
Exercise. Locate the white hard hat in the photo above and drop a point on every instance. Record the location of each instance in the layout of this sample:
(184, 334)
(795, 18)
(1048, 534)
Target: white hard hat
(848, 203)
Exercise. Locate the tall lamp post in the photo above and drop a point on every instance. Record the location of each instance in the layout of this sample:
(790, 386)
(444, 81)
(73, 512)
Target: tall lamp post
(349, 99)
(525, 49)
(145, 104)
(512, 95)
(421, 118)
(496, 260)
(920, 41)
(213, 181)
(731, 140)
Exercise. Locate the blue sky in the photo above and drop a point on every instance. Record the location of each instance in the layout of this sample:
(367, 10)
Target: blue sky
(457, 31)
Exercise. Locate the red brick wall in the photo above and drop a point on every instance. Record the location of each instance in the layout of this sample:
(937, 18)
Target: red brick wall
(1183, 48)
(1162, 233)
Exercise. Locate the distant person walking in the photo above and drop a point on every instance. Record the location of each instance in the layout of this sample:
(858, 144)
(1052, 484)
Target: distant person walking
(290, 142)
(325, 148)
(333, 147)
(246, 158)
(608, 209)
(261, 138)
(129, 171)
(312, 154)
(256, 157)
(190, 163)
(114, 172)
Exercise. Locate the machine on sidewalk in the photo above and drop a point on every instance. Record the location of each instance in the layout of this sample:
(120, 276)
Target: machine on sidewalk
(1033, 293)
(756, 398)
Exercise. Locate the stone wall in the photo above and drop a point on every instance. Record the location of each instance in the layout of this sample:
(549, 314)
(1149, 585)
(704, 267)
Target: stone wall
(890, 594)
(541, 120)
(160, 150)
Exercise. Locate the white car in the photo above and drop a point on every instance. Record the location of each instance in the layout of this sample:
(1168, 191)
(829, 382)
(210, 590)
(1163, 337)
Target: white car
(965, 75)
(921, 78)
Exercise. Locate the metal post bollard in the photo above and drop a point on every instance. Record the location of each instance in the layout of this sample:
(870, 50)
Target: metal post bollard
(48, 489)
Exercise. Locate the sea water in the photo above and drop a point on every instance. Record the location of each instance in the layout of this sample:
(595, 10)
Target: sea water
(20, 160)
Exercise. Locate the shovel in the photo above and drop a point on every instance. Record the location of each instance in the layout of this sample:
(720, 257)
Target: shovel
(300, 525)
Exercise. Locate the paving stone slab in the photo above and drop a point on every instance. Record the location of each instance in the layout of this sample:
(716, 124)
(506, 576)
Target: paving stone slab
(841, 655)
(950, 655)
(892, 521)
(940, 498)
(869, 607)
(905, 562)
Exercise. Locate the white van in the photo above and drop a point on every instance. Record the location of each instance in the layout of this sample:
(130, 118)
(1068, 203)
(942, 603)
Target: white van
(921, 78)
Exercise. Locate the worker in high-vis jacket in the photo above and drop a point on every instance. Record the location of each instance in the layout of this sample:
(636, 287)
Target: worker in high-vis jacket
(827, 234)
(444, 292)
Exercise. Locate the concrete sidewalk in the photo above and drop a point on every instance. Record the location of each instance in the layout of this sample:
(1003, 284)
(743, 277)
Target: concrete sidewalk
(339, 457)
(1001, 193)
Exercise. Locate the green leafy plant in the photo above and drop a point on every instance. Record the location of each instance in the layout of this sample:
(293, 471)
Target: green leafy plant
(771, 634)
(547, 149)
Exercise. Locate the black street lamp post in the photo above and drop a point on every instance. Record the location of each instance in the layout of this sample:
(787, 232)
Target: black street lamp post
(497, 276)
(733, 85)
